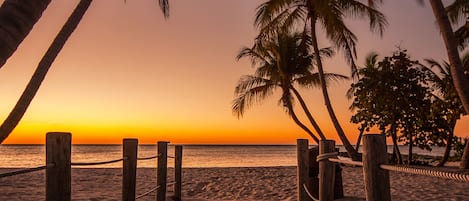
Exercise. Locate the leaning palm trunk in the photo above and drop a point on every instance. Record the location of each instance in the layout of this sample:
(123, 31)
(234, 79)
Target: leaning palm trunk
(449, 142)
(17, 19)
(33, 86)
(340, 132)
(461, 84)
(301, 125)
(308, 114)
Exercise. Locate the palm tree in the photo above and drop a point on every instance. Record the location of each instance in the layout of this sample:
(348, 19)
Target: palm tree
(43, 67)
(330, 15)
(283, 63)
(17, 19)
(448, 104)
(458, 12)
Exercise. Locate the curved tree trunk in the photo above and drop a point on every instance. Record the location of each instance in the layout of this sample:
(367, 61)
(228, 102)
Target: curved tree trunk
(41, 71)
(298, 122)
(308, 114)
(461, 84)
(395, 146)
(449, 142)
(17, 18)
(340, 132)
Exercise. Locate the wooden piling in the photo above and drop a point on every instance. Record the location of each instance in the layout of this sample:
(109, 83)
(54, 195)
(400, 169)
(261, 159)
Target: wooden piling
(178, 172)
(302, 175)
(58, 171)
(376, 180)
(129, 170)
(162, 170)
(326, 171)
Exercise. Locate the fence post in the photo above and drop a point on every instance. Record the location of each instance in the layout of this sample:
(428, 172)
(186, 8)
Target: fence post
(162, 170)
(326, 171)
(58, 171)
(377, 185)
(129, 170)
(302, 175)
(178, 172)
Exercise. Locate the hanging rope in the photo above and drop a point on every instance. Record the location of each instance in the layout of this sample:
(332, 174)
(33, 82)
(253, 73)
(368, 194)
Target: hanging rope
(147, 158)
(96, 163)
(309, 193)
(427, 172)
(347, 162)
(24, 171)
(326, 156)
(148, 192)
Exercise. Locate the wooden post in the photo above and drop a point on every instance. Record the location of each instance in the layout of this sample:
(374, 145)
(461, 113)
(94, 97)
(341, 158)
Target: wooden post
(178, 173)
(58, 171)
(338, 183)
(314, 171)
(326, 171)
(162, 171)
(129, 170)
(302, 175)
(377, 185)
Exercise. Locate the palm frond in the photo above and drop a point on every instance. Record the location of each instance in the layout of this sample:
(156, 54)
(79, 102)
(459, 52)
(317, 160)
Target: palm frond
(250, 96)
(313, 79)
(458, 11)
(164, 5)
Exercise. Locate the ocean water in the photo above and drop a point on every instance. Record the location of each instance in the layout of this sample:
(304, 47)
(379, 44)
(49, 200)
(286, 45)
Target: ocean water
(21, 156)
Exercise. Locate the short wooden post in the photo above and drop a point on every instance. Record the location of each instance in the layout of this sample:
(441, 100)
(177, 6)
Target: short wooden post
(314, 171)
(58, 171)
(302, 174)
(338, 183)
(129, 170)
(377, 185)
(326, 171)
(178, 172)
(162, 170)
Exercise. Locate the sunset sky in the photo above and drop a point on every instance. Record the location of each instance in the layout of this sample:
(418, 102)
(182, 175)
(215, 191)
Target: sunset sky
(128, 72)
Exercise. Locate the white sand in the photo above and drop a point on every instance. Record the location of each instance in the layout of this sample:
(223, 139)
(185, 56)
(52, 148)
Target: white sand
(199, 184)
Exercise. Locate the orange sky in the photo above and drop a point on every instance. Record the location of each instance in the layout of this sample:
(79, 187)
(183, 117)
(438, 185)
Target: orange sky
(126, 72)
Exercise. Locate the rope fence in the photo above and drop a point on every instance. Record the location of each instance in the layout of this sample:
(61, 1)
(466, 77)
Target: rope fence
(375, 170)
(58, 168)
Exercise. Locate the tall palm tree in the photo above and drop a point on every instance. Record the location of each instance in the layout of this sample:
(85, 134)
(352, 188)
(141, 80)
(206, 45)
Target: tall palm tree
(458, 12)
(43, 67)
(283, 63)
(450, 108)
(17, 19)
(330, 14)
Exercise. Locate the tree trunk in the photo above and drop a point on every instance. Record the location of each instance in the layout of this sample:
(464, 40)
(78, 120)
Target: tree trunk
(465, 156)
(394, 142)
(17, 18)
(308, 114)
(449, 142)
(353, 154)
(359, 140)
(409, 155)
(301, 125)
(461, 84)
(41, 71)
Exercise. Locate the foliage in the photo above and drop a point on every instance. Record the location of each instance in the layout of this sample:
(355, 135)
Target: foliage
(394, 94)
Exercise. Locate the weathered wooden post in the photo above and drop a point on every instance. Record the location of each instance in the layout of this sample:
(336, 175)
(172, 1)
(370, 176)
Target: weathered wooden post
(162, 170)
(338, 183)
(58, 162)
(129, 170)
(326, 171)
(302, 174)
(178, 172)
(377, 185)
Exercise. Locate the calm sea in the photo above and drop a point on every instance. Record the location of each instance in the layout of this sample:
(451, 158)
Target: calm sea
(20, 156)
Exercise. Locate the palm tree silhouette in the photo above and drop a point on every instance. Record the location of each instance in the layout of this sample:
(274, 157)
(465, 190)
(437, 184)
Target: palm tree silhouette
(330, 14)
(40, 73)
(283, 63)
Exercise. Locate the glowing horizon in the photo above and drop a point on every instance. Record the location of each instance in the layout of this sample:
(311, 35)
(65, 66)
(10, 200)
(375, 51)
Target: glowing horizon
(126, 72)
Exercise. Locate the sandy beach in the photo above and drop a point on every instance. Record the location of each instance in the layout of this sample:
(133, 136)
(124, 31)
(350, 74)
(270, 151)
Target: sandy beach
(251, 183)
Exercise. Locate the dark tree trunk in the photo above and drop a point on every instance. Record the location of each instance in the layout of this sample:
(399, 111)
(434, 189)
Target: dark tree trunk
(461, 84)
(465, 157)
(449, 142)
(41, 71)
(308, 114)
(353, 154)
(17, 18)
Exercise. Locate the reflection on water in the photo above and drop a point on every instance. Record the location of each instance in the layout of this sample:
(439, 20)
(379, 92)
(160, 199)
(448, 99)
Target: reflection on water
(193, 155)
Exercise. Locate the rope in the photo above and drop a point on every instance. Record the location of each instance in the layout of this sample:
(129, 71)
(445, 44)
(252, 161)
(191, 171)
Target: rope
(24, 171)
(427, 172)
(347, 162)
(170, 183)
(309, 194)
(326, 156)
(147, 158)
(148, 192)
(97, 163)
(171, 156)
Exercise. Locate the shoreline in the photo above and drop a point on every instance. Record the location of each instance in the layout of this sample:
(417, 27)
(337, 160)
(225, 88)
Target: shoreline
(230, 183)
